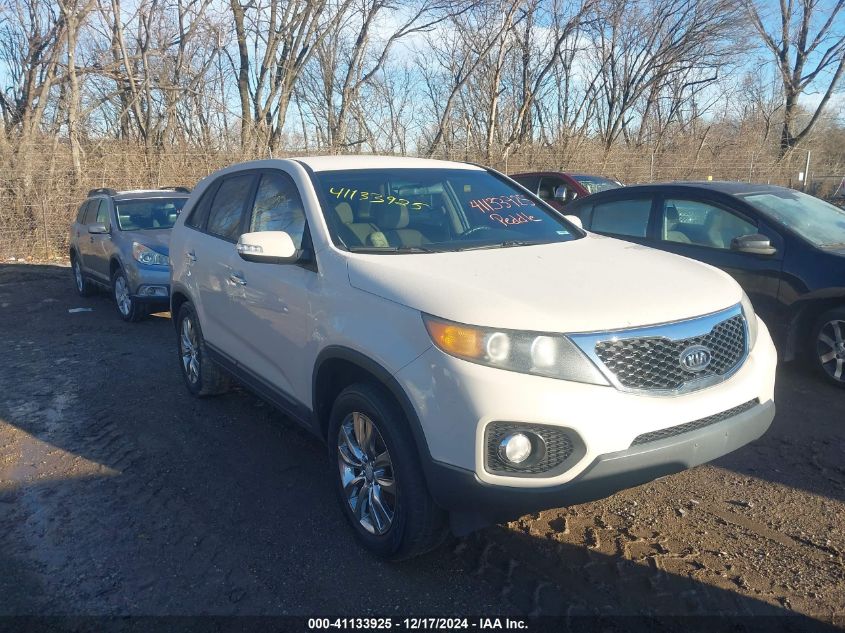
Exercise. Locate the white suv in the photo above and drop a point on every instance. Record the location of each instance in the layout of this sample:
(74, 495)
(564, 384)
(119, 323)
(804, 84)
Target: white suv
(467, 353)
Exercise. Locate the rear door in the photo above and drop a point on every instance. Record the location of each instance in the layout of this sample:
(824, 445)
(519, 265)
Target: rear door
(703, 229)
(85, 240)
(626, 218)
(100, 243)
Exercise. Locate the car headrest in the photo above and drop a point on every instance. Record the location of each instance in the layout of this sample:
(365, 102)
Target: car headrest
(344, 213)
(392, 216)
(671, 213)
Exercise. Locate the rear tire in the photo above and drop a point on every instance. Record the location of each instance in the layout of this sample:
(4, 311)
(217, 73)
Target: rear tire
(202, 376)
(379, 478)
(83, 287)
(129, 309)
(827, 346)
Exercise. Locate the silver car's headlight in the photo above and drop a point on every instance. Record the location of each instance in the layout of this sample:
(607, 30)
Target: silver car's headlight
(550, 355)
(146, 255)
(750, 319)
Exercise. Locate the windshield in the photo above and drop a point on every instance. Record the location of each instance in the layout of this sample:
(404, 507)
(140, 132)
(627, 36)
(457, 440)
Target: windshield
(594, 184)
(815, 220)
(433, 210)
(148, 213)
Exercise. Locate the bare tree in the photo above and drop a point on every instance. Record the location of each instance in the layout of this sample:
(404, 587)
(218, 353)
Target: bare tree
(804, 59)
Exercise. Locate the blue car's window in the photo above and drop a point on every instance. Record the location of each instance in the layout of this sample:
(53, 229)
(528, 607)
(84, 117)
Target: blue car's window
(148, 213)
(815, 220)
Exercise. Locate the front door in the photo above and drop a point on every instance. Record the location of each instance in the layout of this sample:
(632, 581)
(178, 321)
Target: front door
(704, 231)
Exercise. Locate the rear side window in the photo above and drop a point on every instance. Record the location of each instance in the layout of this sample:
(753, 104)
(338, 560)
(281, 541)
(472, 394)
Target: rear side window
(199, 214)
(91, 211)
(622, 217)
(103, 213)
(224, 219)
(278, 207)
(80, 215)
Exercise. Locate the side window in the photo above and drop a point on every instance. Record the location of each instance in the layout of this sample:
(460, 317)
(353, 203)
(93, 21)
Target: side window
(546, 191)
(91, 212)
(80, 215)
(278, 207)
(199, 214)
(622, 217)
(224, 219)
(103, 213)
(693, 222)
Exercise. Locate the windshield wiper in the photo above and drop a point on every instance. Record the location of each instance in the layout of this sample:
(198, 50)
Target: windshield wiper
(505, 244)
(392, 249)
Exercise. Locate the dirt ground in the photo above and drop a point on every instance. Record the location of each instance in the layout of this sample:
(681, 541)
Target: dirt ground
(121, 494)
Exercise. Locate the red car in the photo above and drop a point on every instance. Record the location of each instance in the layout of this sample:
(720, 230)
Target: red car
(559, 188)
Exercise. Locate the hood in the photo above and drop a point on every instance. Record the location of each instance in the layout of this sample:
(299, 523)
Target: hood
(591, 284)
(156, 239)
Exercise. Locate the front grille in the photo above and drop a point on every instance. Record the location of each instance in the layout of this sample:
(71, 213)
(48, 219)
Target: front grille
(652, 363)
(672, 431)
(560, 446)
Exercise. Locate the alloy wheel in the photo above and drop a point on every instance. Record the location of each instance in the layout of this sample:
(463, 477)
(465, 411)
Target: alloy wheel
(77, 274)
(366, 472)
(121, 295)
(189, 347)
(831, 349)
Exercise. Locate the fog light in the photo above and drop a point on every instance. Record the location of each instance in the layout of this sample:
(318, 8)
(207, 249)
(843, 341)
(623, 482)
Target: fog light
(515, 448)
(154, 291)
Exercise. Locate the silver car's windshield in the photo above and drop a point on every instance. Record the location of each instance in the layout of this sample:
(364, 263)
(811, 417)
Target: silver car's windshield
(434, 210)
(148, 213)
(815, 220)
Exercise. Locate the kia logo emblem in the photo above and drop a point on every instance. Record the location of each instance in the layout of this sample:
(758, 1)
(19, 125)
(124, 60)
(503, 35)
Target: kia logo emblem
(695, 358)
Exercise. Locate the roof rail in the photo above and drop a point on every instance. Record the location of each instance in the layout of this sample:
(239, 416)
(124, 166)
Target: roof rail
(178, 188)
(101, 190)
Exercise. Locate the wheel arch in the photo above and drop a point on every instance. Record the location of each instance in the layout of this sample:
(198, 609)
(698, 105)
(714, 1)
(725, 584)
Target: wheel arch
(338, 367)
(804, 319)
(178, 296)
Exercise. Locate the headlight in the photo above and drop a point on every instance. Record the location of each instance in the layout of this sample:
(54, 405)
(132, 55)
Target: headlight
(750, 319)
(146, 255)
(551, 355)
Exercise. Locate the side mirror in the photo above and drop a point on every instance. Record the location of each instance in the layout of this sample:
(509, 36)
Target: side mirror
(269, 247)
(560, 193)
(574, 219)
(97, 229)
(756, 244)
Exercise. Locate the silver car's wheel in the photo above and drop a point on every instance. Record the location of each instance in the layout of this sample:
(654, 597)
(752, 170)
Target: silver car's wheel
(366, 472)
(189, 349)
(121, 295)
(830, 346)
(77, 274)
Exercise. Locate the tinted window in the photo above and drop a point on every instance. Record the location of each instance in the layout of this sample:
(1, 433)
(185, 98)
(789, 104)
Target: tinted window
(148, 213)
(80, 215)
(594, 184)
(91, 211)
(103, 213)
(622, 217)
(224, 220)
(694, 222)
(199, 214)
(278, 207)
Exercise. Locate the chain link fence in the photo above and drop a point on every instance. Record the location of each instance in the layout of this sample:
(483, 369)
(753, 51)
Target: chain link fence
(39, 196)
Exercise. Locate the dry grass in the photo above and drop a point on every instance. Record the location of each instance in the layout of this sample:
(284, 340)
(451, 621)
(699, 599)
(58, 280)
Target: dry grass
(39, 196)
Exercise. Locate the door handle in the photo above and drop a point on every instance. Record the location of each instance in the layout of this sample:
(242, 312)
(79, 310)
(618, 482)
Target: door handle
(237, 278)
(190, 258)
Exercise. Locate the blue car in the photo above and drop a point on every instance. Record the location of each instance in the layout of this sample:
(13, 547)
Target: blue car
(120, 242)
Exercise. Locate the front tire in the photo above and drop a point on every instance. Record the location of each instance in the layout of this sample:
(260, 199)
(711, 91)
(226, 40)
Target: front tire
(203, 376)
(378, 476)
(827, 346)
(129, 309)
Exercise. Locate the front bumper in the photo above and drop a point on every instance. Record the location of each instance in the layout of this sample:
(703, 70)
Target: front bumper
(144, 279)
(478, 502)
